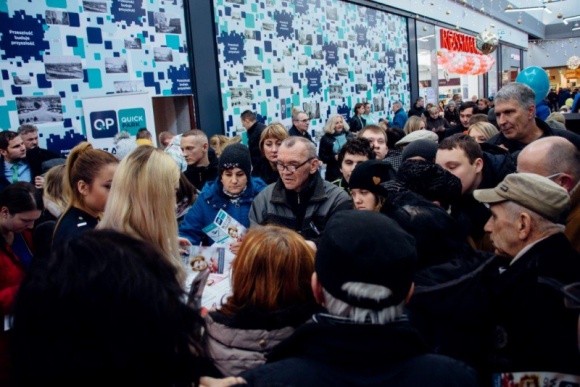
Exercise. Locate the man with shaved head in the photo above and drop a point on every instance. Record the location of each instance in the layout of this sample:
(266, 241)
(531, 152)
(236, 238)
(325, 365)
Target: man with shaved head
(557, 159)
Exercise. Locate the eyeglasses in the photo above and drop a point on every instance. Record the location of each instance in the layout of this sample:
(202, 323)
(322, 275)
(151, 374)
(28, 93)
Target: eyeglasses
(291, 168)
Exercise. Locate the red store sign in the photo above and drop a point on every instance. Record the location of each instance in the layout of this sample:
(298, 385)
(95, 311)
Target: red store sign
(454, 41)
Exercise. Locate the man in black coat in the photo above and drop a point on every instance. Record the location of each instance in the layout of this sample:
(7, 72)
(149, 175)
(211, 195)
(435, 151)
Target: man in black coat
(364, 338)
(515, 111)
(418, 109)
(254, 129)
(533, 330)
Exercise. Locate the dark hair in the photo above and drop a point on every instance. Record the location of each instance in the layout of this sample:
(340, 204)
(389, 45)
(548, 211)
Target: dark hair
(143, 133)
(356, 146)
(248, 115)
(21, 197)
(358, 106)
(5, 137)
(464, 142)
(466, 105)
(393, 136)
(105, 307)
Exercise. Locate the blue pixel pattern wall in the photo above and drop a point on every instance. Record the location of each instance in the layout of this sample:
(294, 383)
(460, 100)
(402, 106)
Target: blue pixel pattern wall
(321, 56)
(56, 52)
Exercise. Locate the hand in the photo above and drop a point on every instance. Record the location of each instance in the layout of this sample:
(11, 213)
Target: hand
(39, 182)
(183, 245)
(206, 381)
(235, 247)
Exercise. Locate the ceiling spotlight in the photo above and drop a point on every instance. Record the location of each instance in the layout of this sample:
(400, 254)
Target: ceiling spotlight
(567, 19)
(509, 8)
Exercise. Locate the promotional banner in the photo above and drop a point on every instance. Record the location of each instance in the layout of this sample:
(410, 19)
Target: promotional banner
(109, 115)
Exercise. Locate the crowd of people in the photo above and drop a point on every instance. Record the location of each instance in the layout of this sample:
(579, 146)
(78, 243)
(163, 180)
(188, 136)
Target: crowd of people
(439, 248)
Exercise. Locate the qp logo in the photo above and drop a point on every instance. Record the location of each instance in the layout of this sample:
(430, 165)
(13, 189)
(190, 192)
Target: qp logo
(104, 124)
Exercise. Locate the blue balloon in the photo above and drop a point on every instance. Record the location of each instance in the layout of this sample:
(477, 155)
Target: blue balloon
(537, 78)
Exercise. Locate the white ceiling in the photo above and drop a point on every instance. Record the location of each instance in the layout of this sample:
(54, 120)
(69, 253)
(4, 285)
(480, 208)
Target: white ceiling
(566, 8)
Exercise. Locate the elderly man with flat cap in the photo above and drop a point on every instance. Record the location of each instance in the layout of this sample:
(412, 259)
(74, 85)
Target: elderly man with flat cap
(533, 330)
(364, 337)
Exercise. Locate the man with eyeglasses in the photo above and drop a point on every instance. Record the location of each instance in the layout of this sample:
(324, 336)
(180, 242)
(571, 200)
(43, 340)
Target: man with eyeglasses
(300, 200)
(300, 123)
(557, 159)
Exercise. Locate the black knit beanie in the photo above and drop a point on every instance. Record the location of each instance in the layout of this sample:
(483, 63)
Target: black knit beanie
(236, 155)
(369, 174)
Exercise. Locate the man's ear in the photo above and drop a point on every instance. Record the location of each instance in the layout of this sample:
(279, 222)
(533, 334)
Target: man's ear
(478, 164)
(524, 226)
(566, 181)
(532, 112)
(317, 289)
(3, 152)
(4, 212)
(205, 146)
(315, 165)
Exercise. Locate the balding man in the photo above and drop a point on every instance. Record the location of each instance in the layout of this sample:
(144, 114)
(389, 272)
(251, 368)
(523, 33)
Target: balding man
(515, 111)
(557, 159)
(532, 329)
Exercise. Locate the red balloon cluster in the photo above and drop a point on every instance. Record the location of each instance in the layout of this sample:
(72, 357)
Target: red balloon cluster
(464, 63)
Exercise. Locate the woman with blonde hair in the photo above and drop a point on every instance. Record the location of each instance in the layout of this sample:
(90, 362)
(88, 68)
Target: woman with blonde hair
(270, 141)
(271, 297)
(482, 131)
(142, 202)
(413, 124)
(88, 177)
(335, 136)
(218, 142)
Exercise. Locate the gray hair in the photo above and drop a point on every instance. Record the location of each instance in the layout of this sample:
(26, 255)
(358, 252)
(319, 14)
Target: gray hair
(398, 103)
(27, 128)
(361, 315)
(291, 141)
(520, 92)
(296, 113)
(540, 224)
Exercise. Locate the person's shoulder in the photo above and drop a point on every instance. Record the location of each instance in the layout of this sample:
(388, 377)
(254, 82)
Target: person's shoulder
(441, 370)
(258, 185)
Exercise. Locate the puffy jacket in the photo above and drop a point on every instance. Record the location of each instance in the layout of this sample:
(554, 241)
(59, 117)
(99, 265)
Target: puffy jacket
(274, 206)
(209, 202)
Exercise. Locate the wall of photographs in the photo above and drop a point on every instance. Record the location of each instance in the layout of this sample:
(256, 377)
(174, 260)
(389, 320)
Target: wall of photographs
(56, 52)
(321, 56)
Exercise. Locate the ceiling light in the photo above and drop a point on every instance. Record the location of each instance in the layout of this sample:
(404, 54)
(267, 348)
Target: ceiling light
(426, 37)
(575, 28)
(526, 9)
(567, 19)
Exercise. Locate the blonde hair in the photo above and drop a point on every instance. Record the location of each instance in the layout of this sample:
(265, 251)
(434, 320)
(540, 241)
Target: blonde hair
(412, 125)
(142, 202)
(274, 130)
(54, 187)
(329, 127)
(488, 130)
(557, 116)
(218, 142)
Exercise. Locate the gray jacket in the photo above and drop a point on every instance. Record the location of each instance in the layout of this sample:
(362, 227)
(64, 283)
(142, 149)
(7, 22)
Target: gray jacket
(276, 205)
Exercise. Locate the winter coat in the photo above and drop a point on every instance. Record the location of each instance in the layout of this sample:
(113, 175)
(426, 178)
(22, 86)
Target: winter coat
(356, 123)
(254, 133)
(198, 176)
(295, 132)
(241, 342)
(336, 352)
(399, 120)
(264, 171)
(306, 212)
(327, 152)
(209, 202)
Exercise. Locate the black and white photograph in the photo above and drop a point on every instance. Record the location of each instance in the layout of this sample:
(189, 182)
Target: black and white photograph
(342, 71)
(162, 54)
(21, 79)
(335, 91)
(375, 46)
(250, 34)
(232, 76)
(362, 12)
(318, 54)
(167, 24)
(56, 17)
(285, 86)
(391, 26)
(358, 69)
(129, 86)
(287, 51)
(312, 109)
(39, 110)
(278, 67)
(116, 65)
(63, 67)
(253, 70)
(383, 59)
(95, 6)
(331, 28)
(304, 38)
(373, 64)
(361, 84)
(236, 14)
(241, 96)
(302, 60)
(332, 14)
(378, 104)
(133, 44)
(270, 3)
(398, 73)
(394, 89)
(235, 1)
(268, 26)
(352, 37)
